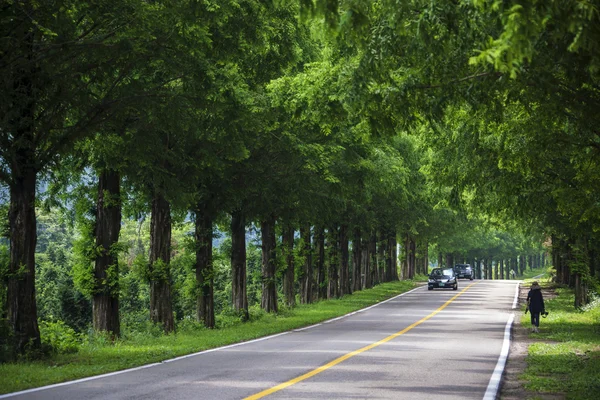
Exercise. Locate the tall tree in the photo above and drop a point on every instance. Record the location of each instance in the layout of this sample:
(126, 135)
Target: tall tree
(64, 71)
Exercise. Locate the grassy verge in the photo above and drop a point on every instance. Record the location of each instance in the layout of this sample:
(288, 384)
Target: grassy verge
(566, 359)
(100, 357)
(530, 273)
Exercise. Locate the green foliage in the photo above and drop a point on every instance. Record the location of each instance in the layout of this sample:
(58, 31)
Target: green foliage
(84, 246)
(57, 296)
(61, 338)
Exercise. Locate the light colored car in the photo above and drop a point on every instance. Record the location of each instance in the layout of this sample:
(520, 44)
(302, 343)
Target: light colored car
(463, 271)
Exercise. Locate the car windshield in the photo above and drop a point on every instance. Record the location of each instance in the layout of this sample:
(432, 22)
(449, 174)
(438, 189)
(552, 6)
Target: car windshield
(442, 273)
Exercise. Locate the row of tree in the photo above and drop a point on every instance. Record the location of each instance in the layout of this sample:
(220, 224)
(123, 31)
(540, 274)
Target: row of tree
(381, 124)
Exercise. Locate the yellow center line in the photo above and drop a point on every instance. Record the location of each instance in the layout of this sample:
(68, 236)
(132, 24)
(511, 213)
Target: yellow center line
(353, 353)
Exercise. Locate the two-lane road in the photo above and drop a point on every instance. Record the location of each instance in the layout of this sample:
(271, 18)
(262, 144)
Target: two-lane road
(440, 344)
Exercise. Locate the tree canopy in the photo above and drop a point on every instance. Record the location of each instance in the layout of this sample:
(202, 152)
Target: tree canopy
(451, 130)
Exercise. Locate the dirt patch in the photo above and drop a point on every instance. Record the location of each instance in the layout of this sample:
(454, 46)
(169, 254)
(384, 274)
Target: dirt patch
(512, 388)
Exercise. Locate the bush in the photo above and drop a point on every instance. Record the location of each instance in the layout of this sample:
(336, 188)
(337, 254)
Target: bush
(138, 326)
(189, 325)
(61, 338)
(551, 271)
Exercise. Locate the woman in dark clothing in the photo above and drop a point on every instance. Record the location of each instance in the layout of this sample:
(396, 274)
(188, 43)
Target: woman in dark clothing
(535, 304)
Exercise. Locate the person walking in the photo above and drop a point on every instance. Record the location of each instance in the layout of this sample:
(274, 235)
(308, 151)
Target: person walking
(535, 305)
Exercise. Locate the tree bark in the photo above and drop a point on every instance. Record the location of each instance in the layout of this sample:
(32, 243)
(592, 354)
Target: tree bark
(366, 265)
(344, 258)
(449, 260)
(356, 261)
(205, 306)
(320, 263)
(372, 255)
(21, 305)
(161, 306)
(238, 263)
(288, 279)
(269, 289)
(333, 273)
(392, 256)
(382, 273)
(307, 271)
(581, 291)
(496, 270)
(105, 302)
(522, 265)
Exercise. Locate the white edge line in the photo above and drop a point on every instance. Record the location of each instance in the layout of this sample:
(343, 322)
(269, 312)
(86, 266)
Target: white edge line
(494, 385)
(4, 396)
(90, 378)
(516, 299)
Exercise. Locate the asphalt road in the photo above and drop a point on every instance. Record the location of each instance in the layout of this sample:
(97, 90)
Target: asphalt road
(440, 344)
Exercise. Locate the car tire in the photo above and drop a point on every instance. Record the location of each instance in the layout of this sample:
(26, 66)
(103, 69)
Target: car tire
(471, 278)
(455, 287)
(429, 288)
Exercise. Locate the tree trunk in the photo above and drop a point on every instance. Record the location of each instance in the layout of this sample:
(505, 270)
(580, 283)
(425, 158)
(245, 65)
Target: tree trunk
(333, 274)
(496, 270)
(413, 256)
(205, 307)
(366, 263)
(581, 291)
(382, 273)
(344, 258)
(161, 307)
(372, 259)
(239, 292)
(449, 260)
(522, 265)
(288, 278)
(392, 256)
(320, 263)
(307, 272)
(105, 302)
(21, 305)
(269, 265)
(502, 274)
(426, 259)
(356, 261)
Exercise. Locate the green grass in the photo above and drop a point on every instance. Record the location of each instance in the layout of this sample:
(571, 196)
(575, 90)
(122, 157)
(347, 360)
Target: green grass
(98, 357)
(530, 273)
(567, 357)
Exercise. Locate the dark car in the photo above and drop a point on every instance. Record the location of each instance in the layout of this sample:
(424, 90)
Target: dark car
(441, 278)
(463, 271)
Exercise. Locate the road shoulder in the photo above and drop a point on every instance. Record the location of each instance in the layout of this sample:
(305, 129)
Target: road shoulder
(512, 388)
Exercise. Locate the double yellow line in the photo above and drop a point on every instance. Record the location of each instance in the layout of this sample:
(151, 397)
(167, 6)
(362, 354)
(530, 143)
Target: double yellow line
(353, 353)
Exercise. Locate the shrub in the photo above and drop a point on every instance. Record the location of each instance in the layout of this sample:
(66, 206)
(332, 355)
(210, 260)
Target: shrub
(138, 326)
(61, 338)
(189, 325)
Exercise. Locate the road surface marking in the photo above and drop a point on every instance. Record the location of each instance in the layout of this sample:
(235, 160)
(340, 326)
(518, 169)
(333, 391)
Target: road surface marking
(353, 353)
(491, 392)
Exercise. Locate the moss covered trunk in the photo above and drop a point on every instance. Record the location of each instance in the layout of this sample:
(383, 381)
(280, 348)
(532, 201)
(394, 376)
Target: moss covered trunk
(105, 301)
